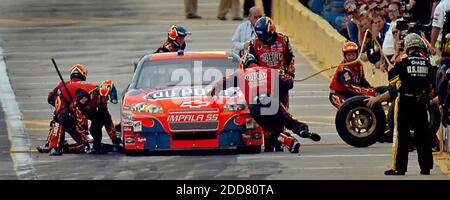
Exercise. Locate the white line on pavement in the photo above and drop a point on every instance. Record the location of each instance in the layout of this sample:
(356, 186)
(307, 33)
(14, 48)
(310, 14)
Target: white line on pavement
(308, 97)
(314, 156)
(309, 105)
(19, 140)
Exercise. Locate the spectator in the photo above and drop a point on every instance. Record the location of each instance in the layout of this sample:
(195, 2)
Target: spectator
(380, 27)
(438, 24)
(352, 16)
(374, 9)
(371, 52)
(384, 10)
(363, 26)
(389, 41)
(393, 11)
(225, 5)
(245, 32)
(190, 8)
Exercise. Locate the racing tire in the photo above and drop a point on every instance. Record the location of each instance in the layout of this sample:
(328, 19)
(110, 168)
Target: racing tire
(133, 152)
(249, 149)
(359, 125)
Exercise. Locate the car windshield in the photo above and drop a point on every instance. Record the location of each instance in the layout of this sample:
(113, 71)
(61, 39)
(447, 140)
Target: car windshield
(184, 72)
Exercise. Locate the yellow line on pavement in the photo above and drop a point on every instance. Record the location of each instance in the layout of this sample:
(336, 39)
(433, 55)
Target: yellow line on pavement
(318, 123)
(443, 161)
(326, 143)
(37, 122)
(317, 117)
(35, 129)
(20, 151)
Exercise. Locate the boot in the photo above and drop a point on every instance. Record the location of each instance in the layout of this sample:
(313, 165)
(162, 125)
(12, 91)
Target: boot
(392, 172)
(425, 172)
(43, 149)
(278, 147)
(306, 134)
(295, 147)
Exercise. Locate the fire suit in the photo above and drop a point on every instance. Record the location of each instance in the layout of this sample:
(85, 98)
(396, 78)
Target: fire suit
(259, 86)
(277, 54)
(412, 77)
(88, 103)
(349, 81)
(63, 121)
(170, 46)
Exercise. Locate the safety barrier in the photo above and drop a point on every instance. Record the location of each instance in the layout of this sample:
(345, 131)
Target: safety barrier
(315, 38)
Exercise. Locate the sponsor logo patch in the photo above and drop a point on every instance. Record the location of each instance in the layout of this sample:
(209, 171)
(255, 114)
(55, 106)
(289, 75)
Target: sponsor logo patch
(194, 104)
(192, 117)
(137, 126)
(256, 76)
(129, 140)
(127, 128)
(177, 93)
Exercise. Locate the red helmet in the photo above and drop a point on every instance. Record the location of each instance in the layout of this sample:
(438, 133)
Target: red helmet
(78, 71)
(349, 47)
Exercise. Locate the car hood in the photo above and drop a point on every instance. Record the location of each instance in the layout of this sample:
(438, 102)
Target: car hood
(184, 98)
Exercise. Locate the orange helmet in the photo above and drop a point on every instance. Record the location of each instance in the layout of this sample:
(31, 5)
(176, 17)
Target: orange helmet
(78, 71)
(177, 31)
(349, 47)
(107, 89)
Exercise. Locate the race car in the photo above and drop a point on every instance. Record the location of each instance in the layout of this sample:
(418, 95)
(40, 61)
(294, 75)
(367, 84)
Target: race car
(168, 105)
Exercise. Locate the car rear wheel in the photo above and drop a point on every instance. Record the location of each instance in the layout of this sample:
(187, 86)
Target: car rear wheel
(249, 149)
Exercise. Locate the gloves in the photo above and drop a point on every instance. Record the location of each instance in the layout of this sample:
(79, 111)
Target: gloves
(287, 81)
(371, 92)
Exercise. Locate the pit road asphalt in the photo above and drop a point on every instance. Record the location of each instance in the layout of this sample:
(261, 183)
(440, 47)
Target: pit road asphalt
(107, 38)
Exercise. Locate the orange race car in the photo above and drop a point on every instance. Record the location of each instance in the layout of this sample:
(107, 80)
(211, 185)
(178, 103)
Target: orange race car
(168, 105)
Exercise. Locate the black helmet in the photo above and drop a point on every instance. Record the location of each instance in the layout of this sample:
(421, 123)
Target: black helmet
(265, 29)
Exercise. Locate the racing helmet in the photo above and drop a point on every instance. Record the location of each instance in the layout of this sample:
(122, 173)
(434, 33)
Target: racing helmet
(78, 71)
(414, 40)
(265, 29)
(246, 60)
(108, 90)
(349, 47)
(177, 31)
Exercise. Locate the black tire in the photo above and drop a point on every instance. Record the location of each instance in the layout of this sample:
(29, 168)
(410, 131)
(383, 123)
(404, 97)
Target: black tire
(249, 149)
(372, 122)
(133, 152)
